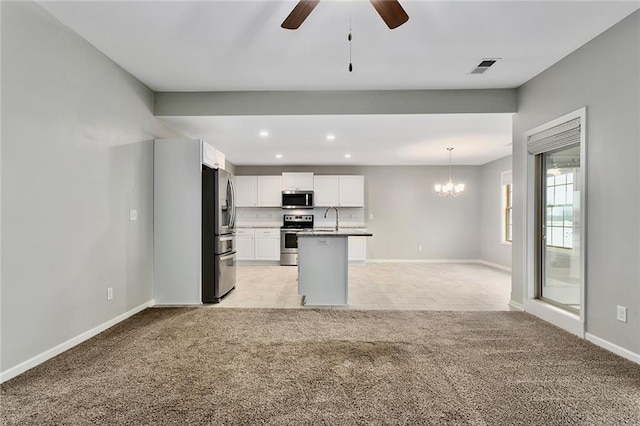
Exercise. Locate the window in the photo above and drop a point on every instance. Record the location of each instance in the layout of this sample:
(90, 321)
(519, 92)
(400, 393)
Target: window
(559, 205)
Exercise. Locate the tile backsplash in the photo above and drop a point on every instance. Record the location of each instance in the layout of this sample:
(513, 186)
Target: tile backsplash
(272, 216)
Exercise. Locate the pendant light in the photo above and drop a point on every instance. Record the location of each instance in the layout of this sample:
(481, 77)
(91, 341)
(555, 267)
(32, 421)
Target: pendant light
(449, 189)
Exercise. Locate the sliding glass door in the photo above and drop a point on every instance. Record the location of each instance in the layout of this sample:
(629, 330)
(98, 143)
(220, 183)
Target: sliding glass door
(560, 255)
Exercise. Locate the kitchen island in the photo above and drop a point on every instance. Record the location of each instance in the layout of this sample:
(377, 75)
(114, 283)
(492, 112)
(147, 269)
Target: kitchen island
(323, 266)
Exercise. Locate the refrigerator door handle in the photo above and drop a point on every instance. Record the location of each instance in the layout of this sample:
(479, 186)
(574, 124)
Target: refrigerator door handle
(228, 256)
(232, 221)
(228, 238)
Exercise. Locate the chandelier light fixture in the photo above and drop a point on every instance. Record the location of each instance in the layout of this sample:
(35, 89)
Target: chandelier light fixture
(449, 189)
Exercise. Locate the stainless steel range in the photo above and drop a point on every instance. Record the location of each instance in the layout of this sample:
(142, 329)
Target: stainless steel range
(292, 224)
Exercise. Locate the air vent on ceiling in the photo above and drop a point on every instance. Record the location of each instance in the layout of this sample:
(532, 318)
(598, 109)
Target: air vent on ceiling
(483, 66)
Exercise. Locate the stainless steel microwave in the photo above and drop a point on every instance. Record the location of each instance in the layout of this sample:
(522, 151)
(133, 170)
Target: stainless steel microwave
(297, 199)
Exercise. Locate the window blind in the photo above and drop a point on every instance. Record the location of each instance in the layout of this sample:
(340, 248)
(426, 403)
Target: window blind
(559, 136)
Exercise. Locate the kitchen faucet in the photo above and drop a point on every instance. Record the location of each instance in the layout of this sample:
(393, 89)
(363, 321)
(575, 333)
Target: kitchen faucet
(327, 210)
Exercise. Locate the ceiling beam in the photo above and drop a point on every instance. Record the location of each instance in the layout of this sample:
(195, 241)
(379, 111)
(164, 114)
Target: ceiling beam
(171, 104)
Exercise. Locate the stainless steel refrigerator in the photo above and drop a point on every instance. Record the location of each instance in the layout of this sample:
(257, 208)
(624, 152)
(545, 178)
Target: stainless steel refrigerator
(218, 234)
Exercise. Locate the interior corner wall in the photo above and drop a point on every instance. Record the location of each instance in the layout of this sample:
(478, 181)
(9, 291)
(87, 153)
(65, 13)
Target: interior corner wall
(406, 211)
(77, 155)
(492, 248)
(603, 76)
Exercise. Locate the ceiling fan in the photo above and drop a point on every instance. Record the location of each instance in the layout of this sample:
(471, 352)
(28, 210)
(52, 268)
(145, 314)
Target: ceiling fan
(389, 10)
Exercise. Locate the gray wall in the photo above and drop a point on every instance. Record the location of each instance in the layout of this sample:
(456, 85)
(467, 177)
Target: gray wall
(76, 156)
(407, 212)
(335, 102)
(603, 76)
(492, 249)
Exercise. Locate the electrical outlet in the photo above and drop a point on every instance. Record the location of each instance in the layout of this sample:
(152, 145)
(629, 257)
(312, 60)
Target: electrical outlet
(322, 242)
(370, 216)
(621, 313)
(133, 215)
(110, 293)
(419, 248)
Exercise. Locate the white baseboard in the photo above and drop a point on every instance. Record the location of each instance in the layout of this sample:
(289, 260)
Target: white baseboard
(423, 260)
(517, 306)
(495, 265)
(57, 350)
(556, 316)
(625, 353)
(476, 261)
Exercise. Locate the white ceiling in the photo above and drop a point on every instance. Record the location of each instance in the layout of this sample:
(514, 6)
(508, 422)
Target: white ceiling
(239, 45)
(370, 139)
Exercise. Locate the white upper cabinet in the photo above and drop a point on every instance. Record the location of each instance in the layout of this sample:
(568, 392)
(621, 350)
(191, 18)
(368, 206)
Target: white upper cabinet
(351, 191)
(212, 157)
(246, 191)
(221, 160)
(325, 191)
(269, 191)
(258, 191)
(297, 181)
(339, 191)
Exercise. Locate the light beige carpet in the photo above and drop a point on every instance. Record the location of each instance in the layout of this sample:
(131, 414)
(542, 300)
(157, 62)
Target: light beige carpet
(338, 367)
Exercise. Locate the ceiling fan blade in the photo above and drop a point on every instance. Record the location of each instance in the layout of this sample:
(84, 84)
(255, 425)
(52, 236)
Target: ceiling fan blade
(391, 12)
(299, 14)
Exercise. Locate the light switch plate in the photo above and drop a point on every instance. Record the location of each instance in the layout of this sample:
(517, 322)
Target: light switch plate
(133, 215)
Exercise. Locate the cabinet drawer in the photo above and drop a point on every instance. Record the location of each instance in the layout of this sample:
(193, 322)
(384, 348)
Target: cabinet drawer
(267, 232)
(244, 232)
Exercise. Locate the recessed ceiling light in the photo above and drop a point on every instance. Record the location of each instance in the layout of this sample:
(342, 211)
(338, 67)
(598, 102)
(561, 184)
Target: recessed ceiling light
(347, 156)
(278, 155)
(330, 137)
(264, 133)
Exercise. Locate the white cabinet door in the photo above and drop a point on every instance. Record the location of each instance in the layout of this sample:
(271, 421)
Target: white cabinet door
(244, 244)
(209, 154)
(325, 191)
(357, 249)
(221, 160)
(351, 191)
(267, 244)
(246, 191)
(292, 181)
(269, 191)
(305, 181)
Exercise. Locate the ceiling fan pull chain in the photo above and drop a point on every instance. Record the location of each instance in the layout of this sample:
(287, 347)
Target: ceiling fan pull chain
(350, 64)
(349, 38)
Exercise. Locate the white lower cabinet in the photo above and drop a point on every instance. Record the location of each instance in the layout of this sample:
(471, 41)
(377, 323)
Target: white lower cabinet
(258, 244)
(357, 249)
(244, 244)
(267, 244)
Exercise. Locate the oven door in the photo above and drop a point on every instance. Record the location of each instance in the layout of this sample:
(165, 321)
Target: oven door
(289, 241)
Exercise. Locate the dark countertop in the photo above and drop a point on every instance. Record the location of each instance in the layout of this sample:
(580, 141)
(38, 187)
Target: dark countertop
(342, 232)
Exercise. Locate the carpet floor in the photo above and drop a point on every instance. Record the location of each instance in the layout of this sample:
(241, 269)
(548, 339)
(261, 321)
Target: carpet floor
(183, 366)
